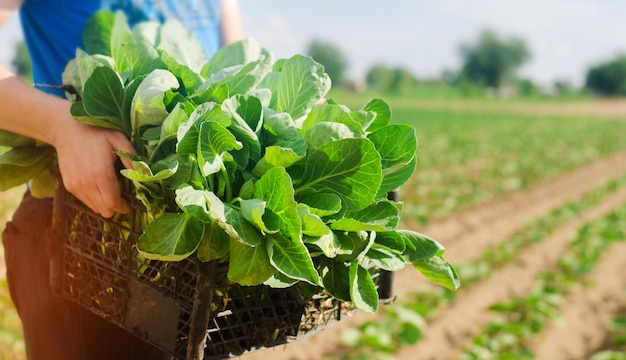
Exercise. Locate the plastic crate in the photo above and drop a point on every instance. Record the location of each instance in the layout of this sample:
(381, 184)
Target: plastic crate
(94, 262)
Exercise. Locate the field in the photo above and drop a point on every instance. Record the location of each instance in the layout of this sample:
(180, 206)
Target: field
(529, 199)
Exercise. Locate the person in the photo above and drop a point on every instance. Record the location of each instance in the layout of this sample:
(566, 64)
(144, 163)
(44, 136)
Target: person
(54, 328)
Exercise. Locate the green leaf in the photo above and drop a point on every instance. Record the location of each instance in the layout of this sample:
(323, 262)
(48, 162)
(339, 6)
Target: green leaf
(392, 180)
(103, 97)
(137, 59)
(283, 144)
(383, 113)
(239, 79)
(439, 271)
(391, 240)
(79, 70)
(215, 243)
(280, 281)
(300, 85)
(237, 53)
(381, 216)
(333, 113)
(363, 293)
(331, 245)
(77, 110)
(396, 145)
(249, 109)
(214, 141)
(418, 246)
(354, 245)
(276, 189)
(141, 172)
(257, 213)
(349, 167)
(120, 36)
(182, 45)
(275, 156)
(336, 279)
(97, 33)
(217, 94)
(244, 127)
(236, 226)
(385, 258)
(172, 122)
(193, 202)
(249, 266)
(187, 139)
(186, 167)
(312, 225)
(10, 139)
(291, 258)
(21, 164)
(189, 78)
(322, 203)
(326, 132)
(239, 67)
(147, 107)
(171, 237)
(189, 131)
(206, 206)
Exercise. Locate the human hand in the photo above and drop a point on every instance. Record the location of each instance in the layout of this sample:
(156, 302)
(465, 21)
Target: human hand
(87, 165)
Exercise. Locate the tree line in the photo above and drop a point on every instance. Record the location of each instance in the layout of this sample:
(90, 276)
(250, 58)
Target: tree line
(490, 61)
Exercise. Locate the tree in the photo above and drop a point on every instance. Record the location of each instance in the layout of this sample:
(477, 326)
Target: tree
(608, 78)
(331, 57)
(493, 59)
(383, 78)
(21, 62)
(379, 77)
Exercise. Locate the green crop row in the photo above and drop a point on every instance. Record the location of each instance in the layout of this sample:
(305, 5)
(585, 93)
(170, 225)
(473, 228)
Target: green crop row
(468, 160)
(404, 322)
(522, 318)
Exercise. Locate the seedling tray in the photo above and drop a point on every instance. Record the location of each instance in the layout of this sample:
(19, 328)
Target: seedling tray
(186, 308)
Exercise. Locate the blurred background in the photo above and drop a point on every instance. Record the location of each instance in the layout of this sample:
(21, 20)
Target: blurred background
(507, 97)
(553, 43)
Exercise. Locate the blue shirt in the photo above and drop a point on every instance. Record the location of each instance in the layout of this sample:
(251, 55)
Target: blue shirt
(53, 28)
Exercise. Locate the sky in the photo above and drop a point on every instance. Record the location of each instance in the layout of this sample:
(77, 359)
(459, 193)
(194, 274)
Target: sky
(565, 37)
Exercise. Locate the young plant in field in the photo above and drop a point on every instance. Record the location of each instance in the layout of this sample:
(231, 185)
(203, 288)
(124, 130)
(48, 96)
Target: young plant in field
(240, 158)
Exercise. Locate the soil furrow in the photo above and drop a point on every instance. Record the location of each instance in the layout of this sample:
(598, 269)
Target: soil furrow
(456, 326)
(582, 327)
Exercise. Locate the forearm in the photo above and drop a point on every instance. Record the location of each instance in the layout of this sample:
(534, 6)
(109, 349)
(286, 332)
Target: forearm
(85, 153)
(30, 112)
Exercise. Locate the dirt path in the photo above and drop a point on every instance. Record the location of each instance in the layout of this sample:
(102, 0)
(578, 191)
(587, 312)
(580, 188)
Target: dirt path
(612, 109)
(465, 235)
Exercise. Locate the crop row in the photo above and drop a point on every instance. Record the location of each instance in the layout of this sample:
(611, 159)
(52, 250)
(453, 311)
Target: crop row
(522, 318)
(404, 322)
(478, 158)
